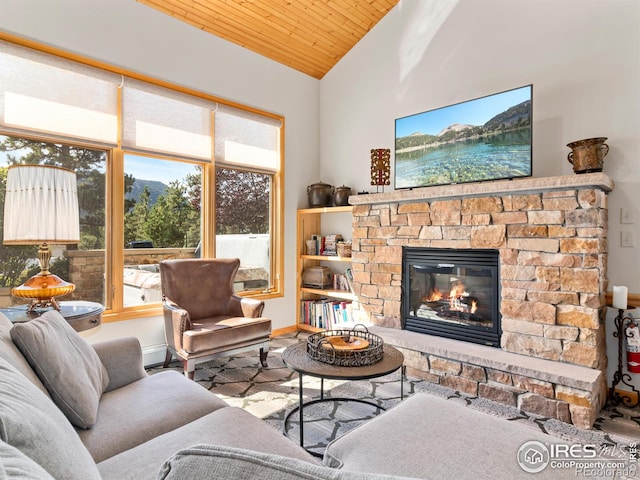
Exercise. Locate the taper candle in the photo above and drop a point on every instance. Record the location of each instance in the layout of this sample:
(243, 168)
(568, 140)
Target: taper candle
(620, 298)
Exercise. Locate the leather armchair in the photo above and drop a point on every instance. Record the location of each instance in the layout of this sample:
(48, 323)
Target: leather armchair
(203, 317)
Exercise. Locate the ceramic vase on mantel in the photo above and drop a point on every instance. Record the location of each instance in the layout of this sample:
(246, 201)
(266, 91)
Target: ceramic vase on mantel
(588, 155)
(342, 196)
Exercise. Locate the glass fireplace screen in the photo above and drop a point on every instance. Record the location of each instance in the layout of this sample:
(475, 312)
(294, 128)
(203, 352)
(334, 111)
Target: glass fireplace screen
(452, 293)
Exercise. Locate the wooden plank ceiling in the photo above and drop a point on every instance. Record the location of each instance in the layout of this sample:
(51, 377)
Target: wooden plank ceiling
(308, 35)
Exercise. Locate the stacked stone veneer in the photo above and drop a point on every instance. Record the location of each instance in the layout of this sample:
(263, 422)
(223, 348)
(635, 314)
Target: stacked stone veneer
(552, 237)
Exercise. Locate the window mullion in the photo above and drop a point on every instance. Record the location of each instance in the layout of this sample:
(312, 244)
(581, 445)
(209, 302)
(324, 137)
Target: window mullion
(208, 206)
(115, 247)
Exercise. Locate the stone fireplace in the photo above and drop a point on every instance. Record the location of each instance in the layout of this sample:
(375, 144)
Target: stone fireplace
(551, 239)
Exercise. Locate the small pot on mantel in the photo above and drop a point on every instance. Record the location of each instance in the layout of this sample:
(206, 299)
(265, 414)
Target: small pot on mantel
(320, 194)
(342, 196)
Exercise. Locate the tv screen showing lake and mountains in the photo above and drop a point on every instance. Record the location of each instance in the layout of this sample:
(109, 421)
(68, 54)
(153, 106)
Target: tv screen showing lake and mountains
(488, 138)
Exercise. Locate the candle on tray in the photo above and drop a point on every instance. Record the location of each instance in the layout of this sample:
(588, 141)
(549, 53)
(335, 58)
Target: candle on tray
(620, 298)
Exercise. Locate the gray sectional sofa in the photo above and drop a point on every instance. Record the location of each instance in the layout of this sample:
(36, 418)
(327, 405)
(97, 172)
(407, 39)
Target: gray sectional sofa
(70, 410)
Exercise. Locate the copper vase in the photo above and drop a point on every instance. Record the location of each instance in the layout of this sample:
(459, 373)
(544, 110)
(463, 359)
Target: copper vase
(588, 155)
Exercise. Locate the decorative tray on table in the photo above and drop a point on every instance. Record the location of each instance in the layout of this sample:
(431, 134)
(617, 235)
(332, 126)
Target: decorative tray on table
(346, 348)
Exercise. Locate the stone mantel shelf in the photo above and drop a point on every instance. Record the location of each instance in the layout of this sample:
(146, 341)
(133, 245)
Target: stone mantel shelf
(598, 180)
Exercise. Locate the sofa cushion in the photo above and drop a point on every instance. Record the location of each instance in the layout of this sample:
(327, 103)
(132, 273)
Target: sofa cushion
(17, 466)
(142, 410)
(30, 422)
(67, 365)
(231, 427)
(214, 461)
(11, 354)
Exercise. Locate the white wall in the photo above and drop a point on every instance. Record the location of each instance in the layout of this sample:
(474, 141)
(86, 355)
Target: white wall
(582, 57)
(128, 34)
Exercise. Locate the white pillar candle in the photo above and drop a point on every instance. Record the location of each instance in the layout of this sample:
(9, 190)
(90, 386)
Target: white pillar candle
(620, 298)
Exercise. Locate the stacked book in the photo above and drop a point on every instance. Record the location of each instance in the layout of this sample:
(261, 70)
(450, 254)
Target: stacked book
(330, 245)
(326, 244)
(340, 282)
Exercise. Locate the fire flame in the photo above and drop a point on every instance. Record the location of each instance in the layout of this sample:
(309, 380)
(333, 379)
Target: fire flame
(457, 293)
(433, 296)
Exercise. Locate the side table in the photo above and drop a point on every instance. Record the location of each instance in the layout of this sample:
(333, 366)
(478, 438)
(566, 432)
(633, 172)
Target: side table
(81, 315)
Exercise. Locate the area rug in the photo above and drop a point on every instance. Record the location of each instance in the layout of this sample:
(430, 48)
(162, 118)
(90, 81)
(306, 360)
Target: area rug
(272, 393)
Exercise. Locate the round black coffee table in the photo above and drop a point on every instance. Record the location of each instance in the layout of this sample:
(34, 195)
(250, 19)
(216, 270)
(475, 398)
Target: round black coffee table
(296, 358)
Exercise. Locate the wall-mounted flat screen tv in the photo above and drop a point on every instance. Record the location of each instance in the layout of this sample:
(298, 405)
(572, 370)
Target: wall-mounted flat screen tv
(488, 138)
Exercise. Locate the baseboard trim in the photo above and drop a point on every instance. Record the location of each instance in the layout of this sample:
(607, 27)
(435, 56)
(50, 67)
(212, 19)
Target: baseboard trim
(154, 354)
(278, 332)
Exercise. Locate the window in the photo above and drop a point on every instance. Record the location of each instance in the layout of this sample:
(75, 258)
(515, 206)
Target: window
(247, 157)
(161, 221)
(162, 173)
(243, 200)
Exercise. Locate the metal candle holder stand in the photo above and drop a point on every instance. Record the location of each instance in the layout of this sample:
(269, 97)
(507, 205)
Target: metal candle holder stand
(615, 398)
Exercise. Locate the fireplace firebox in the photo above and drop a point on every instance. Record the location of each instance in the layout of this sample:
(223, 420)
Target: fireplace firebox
(452, 293)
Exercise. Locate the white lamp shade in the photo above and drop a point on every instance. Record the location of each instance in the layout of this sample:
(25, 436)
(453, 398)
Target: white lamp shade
(41, 205)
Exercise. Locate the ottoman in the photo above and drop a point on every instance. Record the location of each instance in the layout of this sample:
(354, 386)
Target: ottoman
(429, 437)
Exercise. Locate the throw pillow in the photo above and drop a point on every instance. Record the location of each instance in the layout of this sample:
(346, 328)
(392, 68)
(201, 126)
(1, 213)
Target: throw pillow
(17, 466)
(30, 422)
(11, 354)
(202, 462)
(67, 365)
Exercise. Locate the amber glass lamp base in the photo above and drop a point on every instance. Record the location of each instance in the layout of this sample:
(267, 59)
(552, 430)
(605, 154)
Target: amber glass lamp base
(42, 289)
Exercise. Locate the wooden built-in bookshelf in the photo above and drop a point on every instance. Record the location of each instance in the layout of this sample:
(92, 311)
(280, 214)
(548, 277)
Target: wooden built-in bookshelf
(309, 223)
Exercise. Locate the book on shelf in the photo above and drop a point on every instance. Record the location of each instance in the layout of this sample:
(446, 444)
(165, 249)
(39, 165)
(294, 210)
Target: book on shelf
(348, 273)
(340, 282)
(318, 241)
(326, 245)
(326, 313)
(330, 245)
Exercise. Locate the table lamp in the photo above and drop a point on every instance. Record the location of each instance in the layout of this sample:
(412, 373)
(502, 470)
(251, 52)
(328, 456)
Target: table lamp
(41, 207)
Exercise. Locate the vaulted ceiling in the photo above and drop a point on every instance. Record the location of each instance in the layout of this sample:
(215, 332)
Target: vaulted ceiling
(310, 36)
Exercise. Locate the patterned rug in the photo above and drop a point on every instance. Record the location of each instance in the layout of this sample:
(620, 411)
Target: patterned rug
(272, 394)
